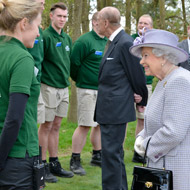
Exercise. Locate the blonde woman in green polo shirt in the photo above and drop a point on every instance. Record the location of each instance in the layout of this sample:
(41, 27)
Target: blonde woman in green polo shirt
(19, 90)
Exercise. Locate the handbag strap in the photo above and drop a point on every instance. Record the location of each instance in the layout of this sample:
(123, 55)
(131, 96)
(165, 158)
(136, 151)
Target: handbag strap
(144, 159)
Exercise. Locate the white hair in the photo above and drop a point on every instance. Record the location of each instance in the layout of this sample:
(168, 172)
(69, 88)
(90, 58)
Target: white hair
(172, 58)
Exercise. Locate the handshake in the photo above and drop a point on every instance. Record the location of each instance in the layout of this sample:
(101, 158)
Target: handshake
(139, 146)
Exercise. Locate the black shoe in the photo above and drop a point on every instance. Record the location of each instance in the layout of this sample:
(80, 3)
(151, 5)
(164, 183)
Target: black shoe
(49, 177)
(137, 158)
(75, 166)
(96, 159)
(56, 169)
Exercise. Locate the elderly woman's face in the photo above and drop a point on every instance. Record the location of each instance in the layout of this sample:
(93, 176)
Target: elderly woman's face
(151, 63)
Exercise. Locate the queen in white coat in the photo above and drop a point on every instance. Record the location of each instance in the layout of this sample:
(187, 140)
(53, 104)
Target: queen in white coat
(167, 115)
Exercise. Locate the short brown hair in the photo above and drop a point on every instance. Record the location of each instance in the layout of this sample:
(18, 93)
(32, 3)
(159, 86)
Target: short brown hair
(58, 5)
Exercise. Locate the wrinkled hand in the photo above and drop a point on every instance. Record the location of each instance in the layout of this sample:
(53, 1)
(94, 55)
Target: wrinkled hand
(140, 108)
(137, 98)
(139, 146)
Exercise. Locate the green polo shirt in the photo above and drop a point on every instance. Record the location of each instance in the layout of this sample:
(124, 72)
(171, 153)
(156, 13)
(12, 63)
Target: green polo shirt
(37, 53)
(56, 64)
(86, 56)
(17, 76)
(149, 79)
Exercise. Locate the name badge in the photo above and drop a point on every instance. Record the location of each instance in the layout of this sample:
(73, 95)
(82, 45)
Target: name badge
(36, 41)
(98, 53)
(58, 44)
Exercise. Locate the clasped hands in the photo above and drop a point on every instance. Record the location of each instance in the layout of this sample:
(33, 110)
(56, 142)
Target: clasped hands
(138, 99)
(139, 146)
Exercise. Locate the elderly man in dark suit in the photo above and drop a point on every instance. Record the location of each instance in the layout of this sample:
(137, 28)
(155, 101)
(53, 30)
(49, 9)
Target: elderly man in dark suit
(121, 80)
(185, 45)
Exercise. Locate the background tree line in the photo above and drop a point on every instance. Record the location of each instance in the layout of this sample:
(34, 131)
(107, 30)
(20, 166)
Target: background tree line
(170, 15)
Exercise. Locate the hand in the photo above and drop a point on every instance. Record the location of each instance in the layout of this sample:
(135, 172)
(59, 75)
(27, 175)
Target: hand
(140, 108)
(137, 98)
(139, 146)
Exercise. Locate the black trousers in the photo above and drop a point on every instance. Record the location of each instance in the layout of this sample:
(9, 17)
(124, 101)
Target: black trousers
(17, 174)
(113, 167)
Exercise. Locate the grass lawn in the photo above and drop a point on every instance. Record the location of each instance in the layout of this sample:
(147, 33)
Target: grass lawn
(92, 180)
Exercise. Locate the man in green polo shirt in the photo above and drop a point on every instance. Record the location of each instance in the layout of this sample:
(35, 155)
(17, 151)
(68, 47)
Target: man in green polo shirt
(145, 21)
(37, 53)
(85, 61)
(54, 86)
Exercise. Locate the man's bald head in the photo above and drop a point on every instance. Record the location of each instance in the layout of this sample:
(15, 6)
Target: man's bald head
(111, 14)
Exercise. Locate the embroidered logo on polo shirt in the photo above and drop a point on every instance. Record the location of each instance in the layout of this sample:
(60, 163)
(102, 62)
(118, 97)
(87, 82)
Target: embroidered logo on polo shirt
(58, 44)
(67, 48)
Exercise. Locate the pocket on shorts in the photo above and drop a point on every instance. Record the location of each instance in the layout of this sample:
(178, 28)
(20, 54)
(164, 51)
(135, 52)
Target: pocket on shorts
(49, 96)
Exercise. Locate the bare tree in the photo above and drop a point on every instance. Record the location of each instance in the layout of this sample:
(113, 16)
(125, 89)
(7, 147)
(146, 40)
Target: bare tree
(184, 17)
(138, 10)
(76, 32)
(100, 4)
(128, 17)
(162, 13)
(85, 13)
(104, 3)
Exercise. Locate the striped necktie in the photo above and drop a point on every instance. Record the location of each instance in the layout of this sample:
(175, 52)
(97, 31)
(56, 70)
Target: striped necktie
(107, 46)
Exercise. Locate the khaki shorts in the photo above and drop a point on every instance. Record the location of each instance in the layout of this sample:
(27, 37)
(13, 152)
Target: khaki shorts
(56, 101)
(86, 101)
(41, 110)
(140, 115)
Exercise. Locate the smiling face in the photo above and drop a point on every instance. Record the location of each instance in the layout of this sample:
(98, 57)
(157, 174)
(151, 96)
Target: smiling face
(58, 19)
(144, 21)
(152, 64)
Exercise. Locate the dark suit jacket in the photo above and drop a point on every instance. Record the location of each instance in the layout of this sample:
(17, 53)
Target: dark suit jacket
(120, 76)
(184, 45)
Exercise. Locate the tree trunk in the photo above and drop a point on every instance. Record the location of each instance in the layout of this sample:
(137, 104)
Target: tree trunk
(128, 17)
(76, 32)
(109, 3)
(103, 3)
(85, 13)
(138, 10)
(184, 18)
(100, 4)
(162, 13)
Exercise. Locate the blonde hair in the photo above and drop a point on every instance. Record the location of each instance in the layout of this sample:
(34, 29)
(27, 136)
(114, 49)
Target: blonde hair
(13, 11)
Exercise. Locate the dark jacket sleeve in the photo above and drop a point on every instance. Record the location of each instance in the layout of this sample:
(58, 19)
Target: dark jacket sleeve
(12, 124)
(184, 45)
(134, 72)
